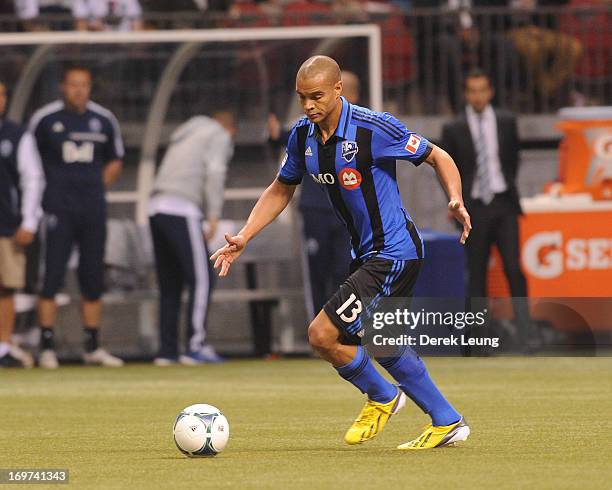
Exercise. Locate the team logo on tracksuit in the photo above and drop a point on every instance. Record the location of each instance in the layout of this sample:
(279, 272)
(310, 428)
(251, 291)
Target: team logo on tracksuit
(6, 148)
(95, 125)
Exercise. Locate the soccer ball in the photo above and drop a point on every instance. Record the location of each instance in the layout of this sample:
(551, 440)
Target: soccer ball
(200, 430)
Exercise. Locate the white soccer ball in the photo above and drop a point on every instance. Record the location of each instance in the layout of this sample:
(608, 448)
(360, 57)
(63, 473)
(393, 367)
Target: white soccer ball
(200, 430)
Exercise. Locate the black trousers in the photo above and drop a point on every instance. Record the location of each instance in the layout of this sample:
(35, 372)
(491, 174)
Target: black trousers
(181, 258)
(496, 223)
(86, 229)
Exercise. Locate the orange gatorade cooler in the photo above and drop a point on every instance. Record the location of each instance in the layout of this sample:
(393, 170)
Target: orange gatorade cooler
(585, 153)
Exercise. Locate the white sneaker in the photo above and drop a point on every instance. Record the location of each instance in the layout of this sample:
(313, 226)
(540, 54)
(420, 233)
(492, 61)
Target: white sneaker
(185, 360)
(48, 359)
(25, 357)
(102, 357)
(164, 362)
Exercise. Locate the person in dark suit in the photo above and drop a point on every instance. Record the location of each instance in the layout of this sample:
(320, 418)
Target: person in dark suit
(484, 143)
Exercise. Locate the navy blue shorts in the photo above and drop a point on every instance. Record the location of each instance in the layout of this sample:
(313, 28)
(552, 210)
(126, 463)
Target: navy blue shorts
(62, 230)
(368, 283)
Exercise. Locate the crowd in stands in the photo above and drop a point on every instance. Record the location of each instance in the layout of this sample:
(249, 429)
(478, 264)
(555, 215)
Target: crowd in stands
(128, 14)
(548, 42)
(82, 15)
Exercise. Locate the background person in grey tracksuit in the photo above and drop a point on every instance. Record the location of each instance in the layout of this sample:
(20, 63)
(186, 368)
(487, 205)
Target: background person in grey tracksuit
(188, 186)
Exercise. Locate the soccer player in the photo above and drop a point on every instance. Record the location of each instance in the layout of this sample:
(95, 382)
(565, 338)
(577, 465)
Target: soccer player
(326, 240)
(351, 151)
(81, 150)
(21, 187)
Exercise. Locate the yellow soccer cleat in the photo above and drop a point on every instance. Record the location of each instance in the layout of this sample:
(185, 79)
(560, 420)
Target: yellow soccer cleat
(373, 418)
(439, 436)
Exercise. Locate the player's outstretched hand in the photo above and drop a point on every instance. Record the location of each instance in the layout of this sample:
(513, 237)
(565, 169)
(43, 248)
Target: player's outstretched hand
(225, 256)
(459, 212)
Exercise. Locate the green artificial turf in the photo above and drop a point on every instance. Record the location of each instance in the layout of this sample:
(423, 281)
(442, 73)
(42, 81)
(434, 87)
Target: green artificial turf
(536, 423)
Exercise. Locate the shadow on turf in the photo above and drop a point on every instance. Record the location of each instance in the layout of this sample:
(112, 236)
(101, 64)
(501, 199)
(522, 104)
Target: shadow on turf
(379, 450)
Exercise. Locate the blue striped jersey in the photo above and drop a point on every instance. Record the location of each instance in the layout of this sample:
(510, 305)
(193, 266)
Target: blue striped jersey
(357, 169)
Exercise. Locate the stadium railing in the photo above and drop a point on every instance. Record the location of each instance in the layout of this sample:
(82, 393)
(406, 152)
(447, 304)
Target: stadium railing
(540, 60)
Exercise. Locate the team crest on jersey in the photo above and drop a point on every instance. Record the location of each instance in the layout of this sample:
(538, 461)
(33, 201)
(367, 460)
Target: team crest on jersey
(349, 150)
(95, 125)
(6, 148)
(57, 127)
(413, 144)
(349, 178)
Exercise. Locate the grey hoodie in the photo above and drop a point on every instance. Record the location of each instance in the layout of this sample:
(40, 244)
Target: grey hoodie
(195, 164)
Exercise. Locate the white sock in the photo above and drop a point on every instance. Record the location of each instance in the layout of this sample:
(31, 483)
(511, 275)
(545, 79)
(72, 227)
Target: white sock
(5, 348)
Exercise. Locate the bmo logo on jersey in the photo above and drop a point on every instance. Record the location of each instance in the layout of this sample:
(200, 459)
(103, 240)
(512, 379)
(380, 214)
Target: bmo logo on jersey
(74, 153)
(323, 178)
(350, 178)
(547, 256)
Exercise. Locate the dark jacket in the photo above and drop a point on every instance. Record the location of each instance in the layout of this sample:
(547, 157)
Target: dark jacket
(457, 141)
(10, 192)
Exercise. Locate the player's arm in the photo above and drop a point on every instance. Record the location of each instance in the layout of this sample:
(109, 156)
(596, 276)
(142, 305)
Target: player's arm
(449, 177)
(112, 172)
(32, 184)
(400, 143)
(271, 203)
(114, 152)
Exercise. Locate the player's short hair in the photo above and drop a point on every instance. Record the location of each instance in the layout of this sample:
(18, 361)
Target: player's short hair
(476, 72)
(74, 67)
(319, 64)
